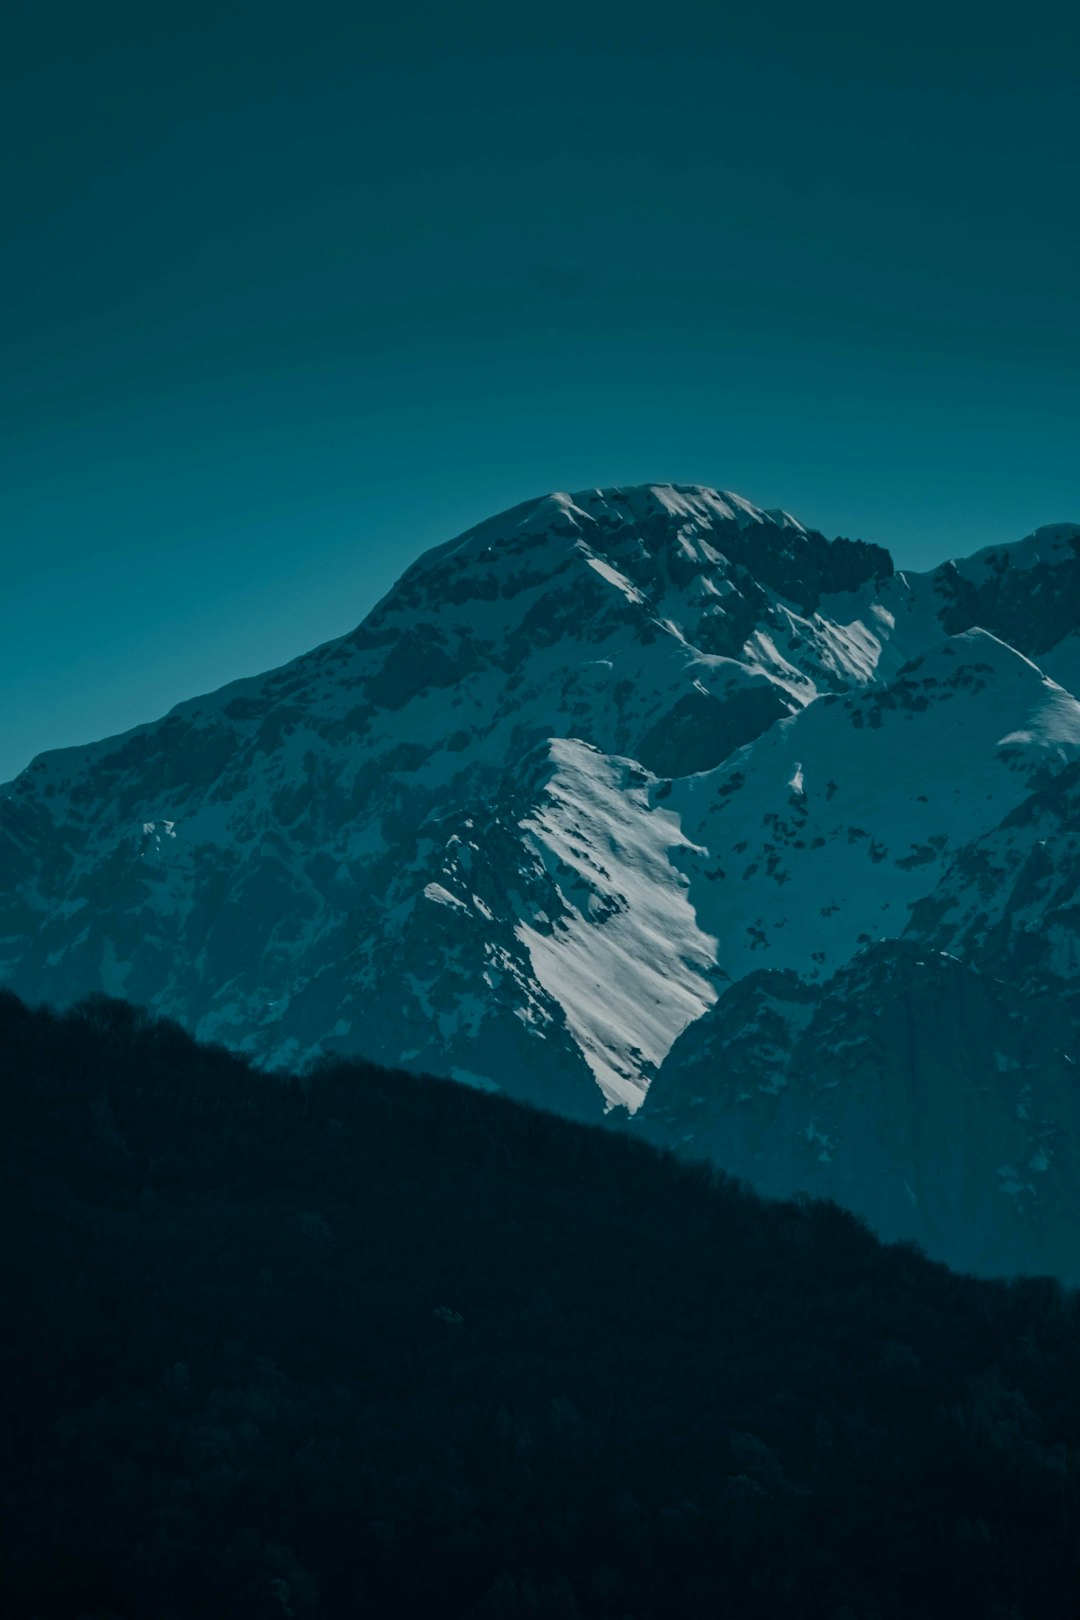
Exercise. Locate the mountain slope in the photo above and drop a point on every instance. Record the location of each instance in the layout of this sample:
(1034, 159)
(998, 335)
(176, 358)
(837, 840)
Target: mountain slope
(586, 771)
(927, 1093)
(822, 834)
(247, 863)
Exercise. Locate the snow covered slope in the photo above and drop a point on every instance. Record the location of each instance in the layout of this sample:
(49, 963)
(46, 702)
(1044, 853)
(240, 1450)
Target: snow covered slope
(823, 833)
(589, 772)
(255, 863)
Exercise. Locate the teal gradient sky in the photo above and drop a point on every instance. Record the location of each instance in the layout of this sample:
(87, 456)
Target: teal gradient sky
(287, 296)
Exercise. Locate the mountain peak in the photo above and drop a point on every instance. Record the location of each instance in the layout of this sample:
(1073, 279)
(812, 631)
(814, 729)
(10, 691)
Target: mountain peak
(586, 771)
(659, 507)
(646, 538)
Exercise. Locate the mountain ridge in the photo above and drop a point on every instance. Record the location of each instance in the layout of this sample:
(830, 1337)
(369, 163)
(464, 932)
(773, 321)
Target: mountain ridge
(582, 768)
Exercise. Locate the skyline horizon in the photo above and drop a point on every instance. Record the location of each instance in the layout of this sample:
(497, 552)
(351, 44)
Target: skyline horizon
(284, 302)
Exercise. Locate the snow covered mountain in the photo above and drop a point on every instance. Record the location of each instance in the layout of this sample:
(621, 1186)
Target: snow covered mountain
(592, 792)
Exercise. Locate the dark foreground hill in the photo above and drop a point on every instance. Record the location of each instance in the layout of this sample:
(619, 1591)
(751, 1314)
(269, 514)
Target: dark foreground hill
(374, 1345)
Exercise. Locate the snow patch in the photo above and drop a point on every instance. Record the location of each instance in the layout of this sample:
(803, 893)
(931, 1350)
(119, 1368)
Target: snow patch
(625, 958)
(443, 897)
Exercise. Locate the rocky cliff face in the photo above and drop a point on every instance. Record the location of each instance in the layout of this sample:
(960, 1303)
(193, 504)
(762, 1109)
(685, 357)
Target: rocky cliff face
(607, 795)
(919, 1089)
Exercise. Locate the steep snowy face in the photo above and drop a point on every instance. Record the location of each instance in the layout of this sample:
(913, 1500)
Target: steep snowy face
(619, 950)
(543, 941)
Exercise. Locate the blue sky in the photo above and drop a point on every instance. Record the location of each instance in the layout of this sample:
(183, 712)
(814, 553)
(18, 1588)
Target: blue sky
(287, 296)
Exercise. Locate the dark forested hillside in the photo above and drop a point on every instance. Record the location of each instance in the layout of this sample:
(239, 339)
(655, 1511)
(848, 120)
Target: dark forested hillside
(372, 1345)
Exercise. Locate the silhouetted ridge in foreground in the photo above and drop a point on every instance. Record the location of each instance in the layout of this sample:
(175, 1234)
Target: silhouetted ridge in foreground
(371, 1344)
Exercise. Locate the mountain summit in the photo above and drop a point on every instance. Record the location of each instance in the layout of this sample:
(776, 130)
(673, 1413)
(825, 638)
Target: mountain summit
(588, 772)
